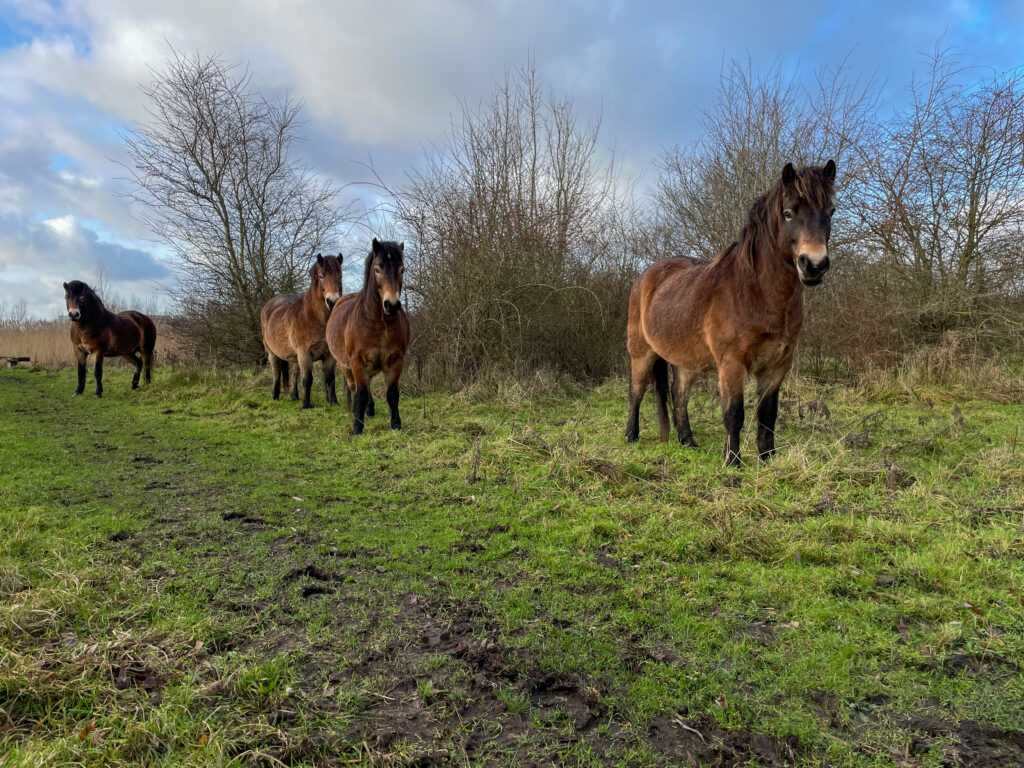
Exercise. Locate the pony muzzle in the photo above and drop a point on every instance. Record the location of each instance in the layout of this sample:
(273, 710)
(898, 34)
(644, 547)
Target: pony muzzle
(74, 315)
(331, 299)
(391, 307)
(811, 267)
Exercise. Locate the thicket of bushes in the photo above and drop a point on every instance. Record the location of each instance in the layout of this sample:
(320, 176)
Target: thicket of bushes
(523, 238)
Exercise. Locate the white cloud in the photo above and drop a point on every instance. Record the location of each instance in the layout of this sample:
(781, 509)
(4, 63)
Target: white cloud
(63, 225)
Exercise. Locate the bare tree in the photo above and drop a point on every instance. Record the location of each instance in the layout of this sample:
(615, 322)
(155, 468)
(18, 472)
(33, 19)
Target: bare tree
(941, 201)
(760, 121)
(213, 168)
(522, 237)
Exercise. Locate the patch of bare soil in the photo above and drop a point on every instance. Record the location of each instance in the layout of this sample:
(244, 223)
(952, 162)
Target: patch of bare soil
(973, 744)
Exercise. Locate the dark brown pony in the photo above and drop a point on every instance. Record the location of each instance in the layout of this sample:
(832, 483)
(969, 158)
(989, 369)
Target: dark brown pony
(293, 330)
(369, 332)
(740, 313)
(96, 330)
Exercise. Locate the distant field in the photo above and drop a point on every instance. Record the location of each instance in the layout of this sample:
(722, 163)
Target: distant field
(192, 574)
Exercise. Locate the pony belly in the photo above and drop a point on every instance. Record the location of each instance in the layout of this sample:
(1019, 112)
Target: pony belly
(689, 354)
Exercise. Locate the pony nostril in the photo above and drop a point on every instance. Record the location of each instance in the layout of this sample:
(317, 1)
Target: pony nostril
(803, 262)
(825, 264)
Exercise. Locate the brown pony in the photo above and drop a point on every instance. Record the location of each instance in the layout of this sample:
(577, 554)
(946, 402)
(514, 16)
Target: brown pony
(369, 332)
(97, 330)
(293, 330)
(740, 313)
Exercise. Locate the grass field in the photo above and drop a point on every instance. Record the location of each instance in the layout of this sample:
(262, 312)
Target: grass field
(192, 574)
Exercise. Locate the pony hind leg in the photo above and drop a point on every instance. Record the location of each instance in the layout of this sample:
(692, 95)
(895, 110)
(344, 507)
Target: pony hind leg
(682, 386)
(147, 365)
(639, 377)
(330, 376)
(278, 368)
(135, 360)
(660, 373)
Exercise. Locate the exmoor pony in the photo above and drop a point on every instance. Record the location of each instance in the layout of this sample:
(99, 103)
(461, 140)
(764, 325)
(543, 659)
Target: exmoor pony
(98, 331)
(740, 313)
(294, 326)
(369, 332)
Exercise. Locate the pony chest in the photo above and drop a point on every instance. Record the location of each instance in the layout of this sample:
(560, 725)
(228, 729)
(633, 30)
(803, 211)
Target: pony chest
(95, 342)
(771, 352)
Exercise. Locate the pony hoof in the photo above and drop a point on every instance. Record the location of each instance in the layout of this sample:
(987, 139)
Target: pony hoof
(76, 394)
(397, 426)
(98, 394)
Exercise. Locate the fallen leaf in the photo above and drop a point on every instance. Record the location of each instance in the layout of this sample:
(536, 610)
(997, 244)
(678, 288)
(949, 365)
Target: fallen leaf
(971, 608)
(204, 740)
(84, 733)
(214, 688)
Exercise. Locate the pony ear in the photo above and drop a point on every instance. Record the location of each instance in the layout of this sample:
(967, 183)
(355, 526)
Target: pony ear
(788, 174)
(376, 245)
(401, 248)
(830, 170)
(65, 286)
(320, 259)
(341, 259)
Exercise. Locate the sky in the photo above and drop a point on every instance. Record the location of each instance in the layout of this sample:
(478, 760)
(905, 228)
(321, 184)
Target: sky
(381, 81)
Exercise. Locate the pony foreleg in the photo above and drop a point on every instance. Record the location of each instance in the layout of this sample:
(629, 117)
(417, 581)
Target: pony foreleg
(730, 381)
(767, 414)
(359, 407)
(768, 409)
(99, 374)
(392, 394)
(306, 369)
(81, 358)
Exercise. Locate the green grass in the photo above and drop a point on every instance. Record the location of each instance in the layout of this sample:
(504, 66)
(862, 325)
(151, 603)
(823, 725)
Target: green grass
(192, 574)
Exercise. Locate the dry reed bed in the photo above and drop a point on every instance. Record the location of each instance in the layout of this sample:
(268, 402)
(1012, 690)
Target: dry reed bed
(46, 342)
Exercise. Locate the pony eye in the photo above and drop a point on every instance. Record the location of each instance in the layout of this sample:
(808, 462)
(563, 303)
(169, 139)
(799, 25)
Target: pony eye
(788, 214)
